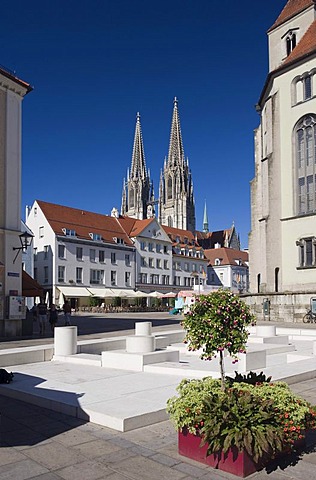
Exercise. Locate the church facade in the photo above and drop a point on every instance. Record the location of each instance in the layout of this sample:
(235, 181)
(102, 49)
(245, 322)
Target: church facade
(282, 241)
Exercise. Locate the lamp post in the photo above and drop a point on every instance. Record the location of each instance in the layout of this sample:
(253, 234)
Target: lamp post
(26, 241)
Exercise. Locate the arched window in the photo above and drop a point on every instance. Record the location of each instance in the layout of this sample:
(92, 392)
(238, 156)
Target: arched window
(131, 198)
(169, 188)
(305, 138)
(170, 223)
(290, 42)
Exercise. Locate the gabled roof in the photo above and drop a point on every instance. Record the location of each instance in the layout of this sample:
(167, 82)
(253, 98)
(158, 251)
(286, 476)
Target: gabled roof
(173, 233)
(292, 8)
(83, 223)
(228, 256)
(306, 45)
(139, 226)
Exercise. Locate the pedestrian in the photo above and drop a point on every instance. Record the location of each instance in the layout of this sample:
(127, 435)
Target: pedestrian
(53, 316)
(67, 312)
(42, 316)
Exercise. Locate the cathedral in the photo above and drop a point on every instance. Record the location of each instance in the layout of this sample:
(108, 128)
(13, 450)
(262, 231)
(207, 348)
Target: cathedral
(176, 206)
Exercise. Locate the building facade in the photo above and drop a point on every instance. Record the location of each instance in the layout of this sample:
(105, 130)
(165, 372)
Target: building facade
(228, 268)
(189, 263)
(282, 242)
(79, 254)
(12, 92)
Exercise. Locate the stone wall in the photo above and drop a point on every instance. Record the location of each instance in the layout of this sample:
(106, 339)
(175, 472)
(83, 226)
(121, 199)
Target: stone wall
(284, 307)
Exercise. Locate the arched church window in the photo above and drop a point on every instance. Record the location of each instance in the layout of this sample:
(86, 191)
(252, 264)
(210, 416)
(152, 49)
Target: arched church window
(131, 198)
(170, 223)
(305, 139)
(290, 42)
(169, 188)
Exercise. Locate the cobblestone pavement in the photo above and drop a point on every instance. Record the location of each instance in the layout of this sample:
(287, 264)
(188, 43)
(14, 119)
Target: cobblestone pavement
(40, 444)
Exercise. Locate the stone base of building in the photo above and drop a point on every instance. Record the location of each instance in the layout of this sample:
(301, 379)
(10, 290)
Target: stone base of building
(280, 307)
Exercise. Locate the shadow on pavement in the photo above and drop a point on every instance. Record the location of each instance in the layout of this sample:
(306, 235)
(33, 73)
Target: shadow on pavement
(28, 424)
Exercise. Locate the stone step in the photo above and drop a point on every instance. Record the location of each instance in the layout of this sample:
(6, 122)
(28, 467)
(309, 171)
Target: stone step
(80, 358)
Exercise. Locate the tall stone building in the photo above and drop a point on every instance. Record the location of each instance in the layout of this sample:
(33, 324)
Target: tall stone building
(282, 242)
(176, 200)
(137, 189)
(12, 92)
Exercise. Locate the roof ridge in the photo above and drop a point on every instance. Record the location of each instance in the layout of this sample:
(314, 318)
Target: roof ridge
(290, 10)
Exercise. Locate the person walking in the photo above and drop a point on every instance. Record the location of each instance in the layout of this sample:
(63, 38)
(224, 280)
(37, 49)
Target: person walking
(53, 316)
(42, 316)
(67, 313)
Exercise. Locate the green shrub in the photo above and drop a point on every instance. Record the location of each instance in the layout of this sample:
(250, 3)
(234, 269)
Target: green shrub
(265, 417)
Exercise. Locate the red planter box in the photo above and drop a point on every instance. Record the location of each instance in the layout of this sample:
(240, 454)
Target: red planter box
(238, 463)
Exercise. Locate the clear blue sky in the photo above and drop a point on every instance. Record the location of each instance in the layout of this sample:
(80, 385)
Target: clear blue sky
(94, 64)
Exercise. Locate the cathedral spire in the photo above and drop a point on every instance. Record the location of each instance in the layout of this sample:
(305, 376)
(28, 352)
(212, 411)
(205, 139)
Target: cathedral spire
(176, 200)
(136, 190)
(205, 220)
(138, 168)
(176, 153)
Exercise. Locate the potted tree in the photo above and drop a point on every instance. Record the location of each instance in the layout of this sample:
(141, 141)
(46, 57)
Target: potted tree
(229, 424)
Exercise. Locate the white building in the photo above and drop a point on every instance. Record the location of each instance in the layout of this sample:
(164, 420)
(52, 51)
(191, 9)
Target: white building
(79, 254)
(228, 268)
(153, 254)
(282, 242)
(12, 92)
(189, 262)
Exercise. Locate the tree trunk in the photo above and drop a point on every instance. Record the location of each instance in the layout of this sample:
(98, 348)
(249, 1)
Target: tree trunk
(221, 364)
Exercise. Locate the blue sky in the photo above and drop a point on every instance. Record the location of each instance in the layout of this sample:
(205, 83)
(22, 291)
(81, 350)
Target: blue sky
(94, 64)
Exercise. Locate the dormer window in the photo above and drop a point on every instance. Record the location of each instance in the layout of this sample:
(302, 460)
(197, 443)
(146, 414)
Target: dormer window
(290, 42)
(68, 232)
(96, 237)
(217, 261)
(119, 240)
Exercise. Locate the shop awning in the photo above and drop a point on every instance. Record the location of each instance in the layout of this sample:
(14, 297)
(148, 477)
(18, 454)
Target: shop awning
(101, 292)
(30, 287)
(187, 293)
(74, 291)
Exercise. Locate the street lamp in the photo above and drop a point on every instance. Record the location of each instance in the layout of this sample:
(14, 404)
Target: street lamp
(26, 241)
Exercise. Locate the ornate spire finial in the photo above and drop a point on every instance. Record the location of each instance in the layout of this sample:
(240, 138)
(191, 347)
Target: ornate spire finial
(138, 116)
(175, 101)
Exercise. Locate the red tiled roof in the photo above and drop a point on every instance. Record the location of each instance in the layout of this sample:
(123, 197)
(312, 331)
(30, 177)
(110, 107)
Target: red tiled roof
(306, 45)
(228, 256)
(173, 233)
(292, 8)
(83, 222)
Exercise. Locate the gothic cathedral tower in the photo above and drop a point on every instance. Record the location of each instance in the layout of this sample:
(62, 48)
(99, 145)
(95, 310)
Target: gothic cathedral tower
(176, 201)
(137, 190)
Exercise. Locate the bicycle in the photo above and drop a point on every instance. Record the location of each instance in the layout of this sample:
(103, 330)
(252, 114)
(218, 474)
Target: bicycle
(309, 317)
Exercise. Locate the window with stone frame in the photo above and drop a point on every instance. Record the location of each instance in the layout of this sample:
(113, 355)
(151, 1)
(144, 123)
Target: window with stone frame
(290, 42)
(61, 273)
(307, 252)
(305, 137)
(78, 275)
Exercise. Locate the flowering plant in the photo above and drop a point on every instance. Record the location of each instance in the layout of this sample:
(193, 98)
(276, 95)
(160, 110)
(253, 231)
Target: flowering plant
(218, 322)
(262, 419)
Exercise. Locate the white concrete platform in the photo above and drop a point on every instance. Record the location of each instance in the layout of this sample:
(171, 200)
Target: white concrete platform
(123, 399)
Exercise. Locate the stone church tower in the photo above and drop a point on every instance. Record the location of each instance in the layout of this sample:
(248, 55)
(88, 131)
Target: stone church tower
(137, 190)
(176, 201)
(282, 242)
